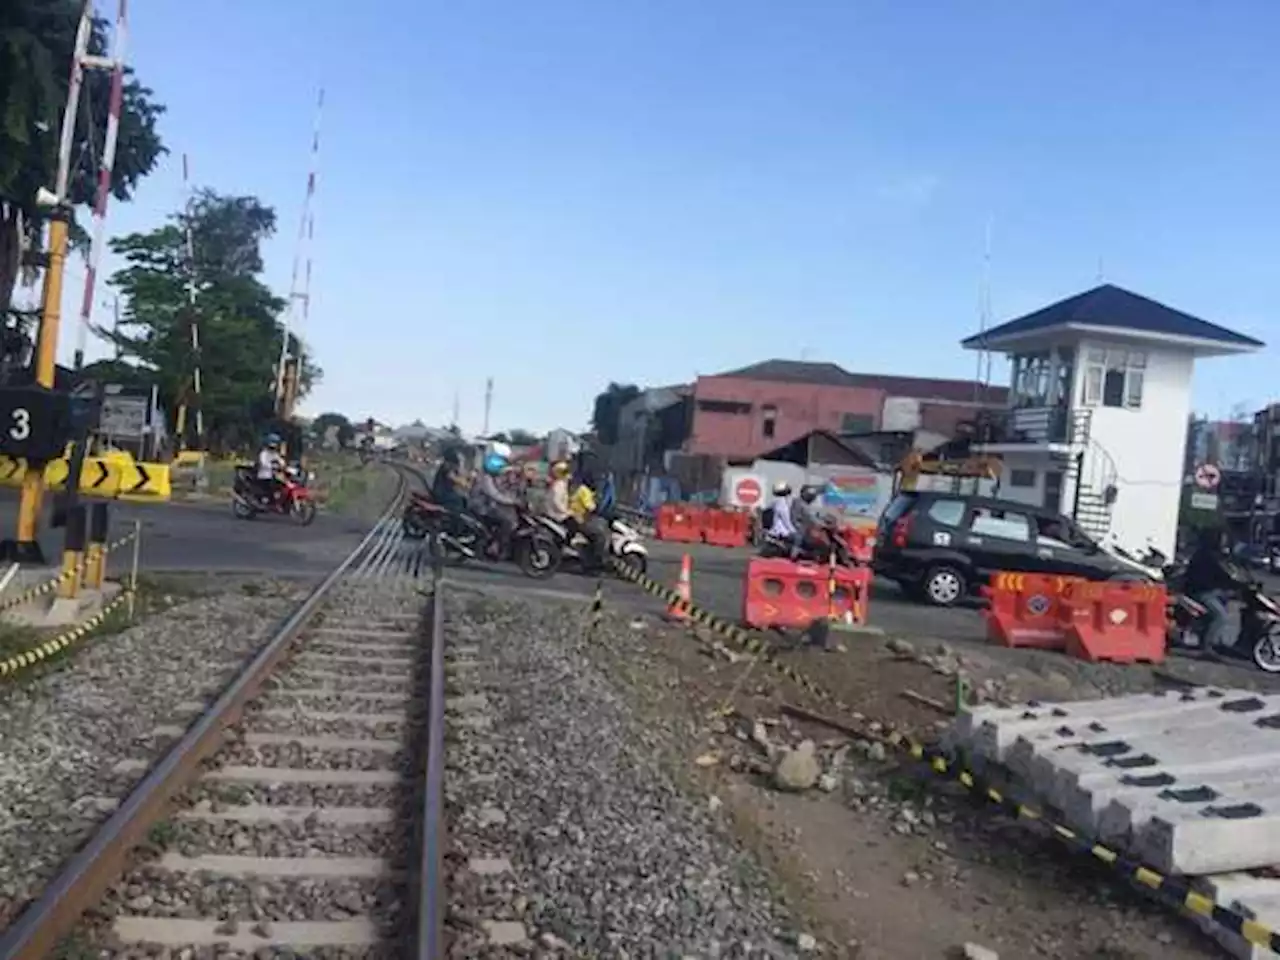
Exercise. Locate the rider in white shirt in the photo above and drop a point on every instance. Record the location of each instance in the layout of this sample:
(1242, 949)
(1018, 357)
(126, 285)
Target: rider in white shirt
(270, 466)
(783, 526)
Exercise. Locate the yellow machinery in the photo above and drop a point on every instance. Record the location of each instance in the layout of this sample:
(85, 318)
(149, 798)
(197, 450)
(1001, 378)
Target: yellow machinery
(915, 472)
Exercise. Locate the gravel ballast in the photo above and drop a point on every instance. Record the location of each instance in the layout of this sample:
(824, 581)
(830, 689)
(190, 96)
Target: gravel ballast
(66, 731)
(607, 856)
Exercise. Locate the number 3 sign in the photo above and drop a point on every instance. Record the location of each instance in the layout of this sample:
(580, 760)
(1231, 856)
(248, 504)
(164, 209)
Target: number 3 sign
(34, 423)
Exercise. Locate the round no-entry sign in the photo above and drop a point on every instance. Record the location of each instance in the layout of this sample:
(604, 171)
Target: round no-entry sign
(1208, 476)
(748, 491)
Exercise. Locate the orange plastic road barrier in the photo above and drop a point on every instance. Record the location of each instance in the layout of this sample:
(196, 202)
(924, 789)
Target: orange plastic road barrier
(726, 528)
(1120, 622)
(782, 593)
(1026, 610)
(679, 523)
(684, 588)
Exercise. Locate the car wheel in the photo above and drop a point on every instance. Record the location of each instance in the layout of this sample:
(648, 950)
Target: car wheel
(944, 586)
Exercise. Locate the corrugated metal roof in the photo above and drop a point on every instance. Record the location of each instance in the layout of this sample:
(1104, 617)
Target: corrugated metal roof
(833, 375)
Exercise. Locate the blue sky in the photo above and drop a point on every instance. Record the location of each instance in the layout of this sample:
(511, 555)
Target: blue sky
(561, 193)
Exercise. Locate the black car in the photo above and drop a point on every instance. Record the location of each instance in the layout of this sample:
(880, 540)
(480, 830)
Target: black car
(941, 547)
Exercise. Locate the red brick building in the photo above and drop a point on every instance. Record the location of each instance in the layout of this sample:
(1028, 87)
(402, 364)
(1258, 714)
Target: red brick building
(745, 412)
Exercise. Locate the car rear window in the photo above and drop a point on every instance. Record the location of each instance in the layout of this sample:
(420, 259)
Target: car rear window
(948, 513)
(897, 508)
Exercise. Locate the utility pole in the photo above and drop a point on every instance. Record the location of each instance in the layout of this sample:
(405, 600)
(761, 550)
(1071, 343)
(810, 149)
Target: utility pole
(456, 409)
(26, 548)
(180, 426)
(488, 405)
(983, 377)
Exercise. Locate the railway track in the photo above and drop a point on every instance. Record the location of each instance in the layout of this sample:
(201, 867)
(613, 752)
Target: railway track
(299, 814)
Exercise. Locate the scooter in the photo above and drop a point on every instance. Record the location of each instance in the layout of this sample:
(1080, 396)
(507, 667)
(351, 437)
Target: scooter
(625, 543)
(1257, 634)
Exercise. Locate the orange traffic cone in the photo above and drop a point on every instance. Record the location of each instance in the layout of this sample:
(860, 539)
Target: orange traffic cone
(684, 589)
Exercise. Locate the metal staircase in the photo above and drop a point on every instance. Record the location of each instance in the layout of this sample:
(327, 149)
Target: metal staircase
(1093, 474)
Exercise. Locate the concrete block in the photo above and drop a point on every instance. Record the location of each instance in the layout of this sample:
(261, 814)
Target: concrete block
(1256, 898)
(1132, 806)
(995, 735)
(1239, 830)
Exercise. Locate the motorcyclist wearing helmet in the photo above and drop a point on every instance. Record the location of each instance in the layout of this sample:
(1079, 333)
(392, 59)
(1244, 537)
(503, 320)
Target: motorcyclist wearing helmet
(558, 495)
(490, 501)
(448, 483)
(583, 508)
(808, 523)
(783, 526)
(1212, 580)
(270, 467)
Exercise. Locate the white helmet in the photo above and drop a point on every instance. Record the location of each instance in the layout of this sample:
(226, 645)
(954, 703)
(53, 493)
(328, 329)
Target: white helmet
(782, 489)
(501, 449)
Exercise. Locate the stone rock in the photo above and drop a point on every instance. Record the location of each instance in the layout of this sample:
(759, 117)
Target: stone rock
(806, 942)
(900, 647)
(974, 951)
(798, 769)
(827, 783)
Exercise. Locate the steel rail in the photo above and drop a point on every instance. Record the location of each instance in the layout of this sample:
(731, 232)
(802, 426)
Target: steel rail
(90, 871)
(432, 903)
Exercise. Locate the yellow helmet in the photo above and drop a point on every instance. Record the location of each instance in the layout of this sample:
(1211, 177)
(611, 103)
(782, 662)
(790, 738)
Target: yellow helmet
(560, 470)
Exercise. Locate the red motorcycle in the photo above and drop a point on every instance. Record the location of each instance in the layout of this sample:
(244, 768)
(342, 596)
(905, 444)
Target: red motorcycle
(292, 499)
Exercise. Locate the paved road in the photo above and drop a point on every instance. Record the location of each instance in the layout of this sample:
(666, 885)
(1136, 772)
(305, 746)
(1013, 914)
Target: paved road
(179, 536)
(718, 575)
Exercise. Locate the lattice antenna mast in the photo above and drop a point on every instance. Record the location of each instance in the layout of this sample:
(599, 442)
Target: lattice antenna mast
(983, 376)
(115, 63)
(305, 232)
(196, 390)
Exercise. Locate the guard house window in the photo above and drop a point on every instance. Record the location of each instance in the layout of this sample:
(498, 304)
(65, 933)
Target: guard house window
(1022, 478)
(1114, 378)
(1031, 373)
(770, 414)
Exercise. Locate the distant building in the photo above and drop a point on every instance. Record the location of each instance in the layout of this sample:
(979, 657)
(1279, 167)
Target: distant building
(1229, 444)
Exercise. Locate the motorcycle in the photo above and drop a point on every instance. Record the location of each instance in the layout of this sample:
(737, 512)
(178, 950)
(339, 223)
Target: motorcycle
(626, 546)
(464, 536)
(773, 547)
(1257, 634)
(292, 500)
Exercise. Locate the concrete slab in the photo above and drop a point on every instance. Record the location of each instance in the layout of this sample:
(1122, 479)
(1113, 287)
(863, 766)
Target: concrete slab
(1256, 898)
(306, 935)
(988, 733)
(1188, 783)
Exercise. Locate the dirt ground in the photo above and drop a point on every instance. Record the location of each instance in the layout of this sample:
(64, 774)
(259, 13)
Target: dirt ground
(889, 862)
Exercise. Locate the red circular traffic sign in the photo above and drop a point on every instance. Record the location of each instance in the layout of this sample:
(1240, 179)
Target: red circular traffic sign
(748, 491)
(1208, 476)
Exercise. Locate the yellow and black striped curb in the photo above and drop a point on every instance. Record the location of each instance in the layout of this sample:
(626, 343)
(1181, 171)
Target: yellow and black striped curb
(40, 589)
(29, 658)
(1175, 890)
(596, 613)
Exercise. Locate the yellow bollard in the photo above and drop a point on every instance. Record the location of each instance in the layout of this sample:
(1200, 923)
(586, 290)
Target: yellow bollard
(73, 553)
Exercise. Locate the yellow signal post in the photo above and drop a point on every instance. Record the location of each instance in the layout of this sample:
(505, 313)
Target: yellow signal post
(95, 554)
(28, 547)
(73, 554)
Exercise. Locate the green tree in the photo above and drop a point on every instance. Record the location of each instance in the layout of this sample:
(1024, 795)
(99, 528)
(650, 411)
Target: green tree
(37, 42)
(522, 438)
(607, 407)
(240, 332)
(321, 425)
